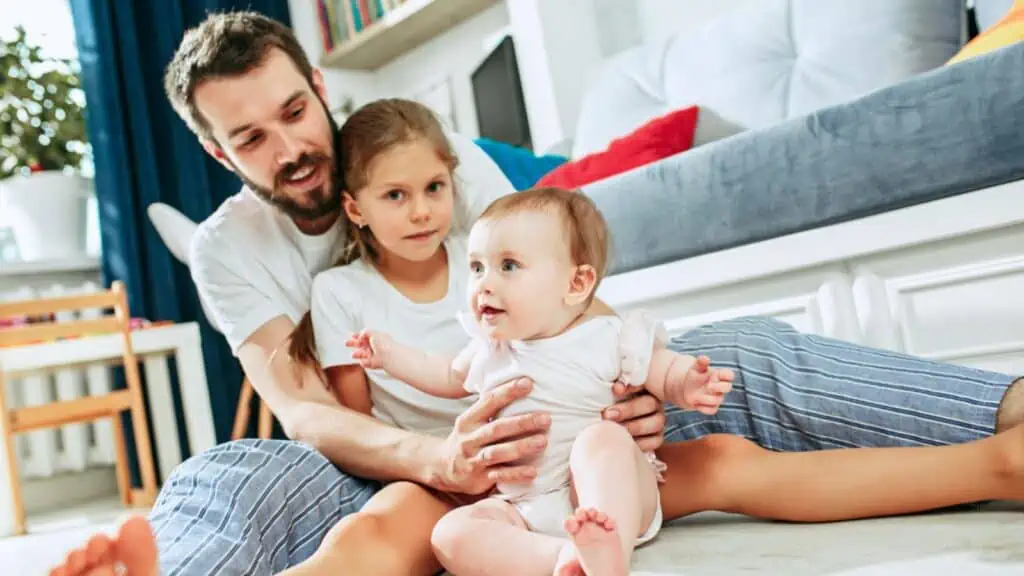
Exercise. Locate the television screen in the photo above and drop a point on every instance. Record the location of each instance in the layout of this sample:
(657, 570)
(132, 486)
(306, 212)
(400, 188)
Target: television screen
(498, 94)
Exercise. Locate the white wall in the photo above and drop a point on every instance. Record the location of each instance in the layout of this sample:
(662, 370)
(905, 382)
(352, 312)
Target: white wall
(453, 55)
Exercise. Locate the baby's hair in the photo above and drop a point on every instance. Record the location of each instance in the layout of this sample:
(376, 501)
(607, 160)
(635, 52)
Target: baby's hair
(370, 131)
(586, 231)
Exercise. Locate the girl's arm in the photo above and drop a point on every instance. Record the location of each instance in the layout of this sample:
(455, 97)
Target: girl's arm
(434, 374)
(351, 387)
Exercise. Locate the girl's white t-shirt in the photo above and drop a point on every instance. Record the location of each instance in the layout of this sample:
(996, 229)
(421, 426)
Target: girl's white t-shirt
(347, 299)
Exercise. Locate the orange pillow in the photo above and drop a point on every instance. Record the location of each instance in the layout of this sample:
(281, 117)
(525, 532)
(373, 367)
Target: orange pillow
(1007, 31)
(659, 138)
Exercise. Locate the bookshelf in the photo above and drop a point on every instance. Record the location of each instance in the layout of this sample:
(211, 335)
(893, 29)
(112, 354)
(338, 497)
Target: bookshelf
(366, 34)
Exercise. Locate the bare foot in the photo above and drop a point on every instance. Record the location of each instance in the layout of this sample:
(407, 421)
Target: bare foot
(596, 546)
(131, 553)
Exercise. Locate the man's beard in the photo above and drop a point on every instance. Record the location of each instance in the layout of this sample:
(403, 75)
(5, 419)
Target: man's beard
(320, 201)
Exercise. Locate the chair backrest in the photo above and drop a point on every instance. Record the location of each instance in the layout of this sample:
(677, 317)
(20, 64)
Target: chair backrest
(45, 327)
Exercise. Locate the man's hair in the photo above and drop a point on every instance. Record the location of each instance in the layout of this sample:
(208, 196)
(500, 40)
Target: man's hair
(225, 45)
(586, 231)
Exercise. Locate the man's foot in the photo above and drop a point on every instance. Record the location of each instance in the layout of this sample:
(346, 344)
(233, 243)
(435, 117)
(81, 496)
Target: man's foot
(131, 553)
(595, 548)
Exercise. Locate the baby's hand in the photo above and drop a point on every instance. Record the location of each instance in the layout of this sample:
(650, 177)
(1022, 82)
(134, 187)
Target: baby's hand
(701, 388)
(371, 348)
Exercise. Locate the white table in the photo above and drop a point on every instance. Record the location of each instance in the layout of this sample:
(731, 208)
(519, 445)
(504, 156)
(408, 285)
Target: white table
(152, 346)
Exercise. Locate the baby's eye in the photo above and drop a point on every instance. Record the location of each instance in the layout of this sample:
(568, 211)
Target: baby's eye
(509, 265)
(476, 267)
(394, 195)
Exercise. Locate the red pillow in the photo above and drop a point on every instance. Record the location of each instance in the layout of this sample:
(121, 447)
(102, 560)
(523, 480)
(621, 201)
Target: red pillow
(659, 138)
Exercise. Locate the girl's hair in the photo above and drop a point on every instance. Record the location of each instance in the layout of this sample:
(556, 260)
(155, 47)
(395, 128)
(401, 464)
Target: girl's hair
(370, 131)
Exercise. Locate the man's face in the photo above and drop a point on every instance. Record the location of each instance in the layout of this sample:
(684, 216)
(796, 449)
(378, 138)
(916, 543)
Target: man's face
(272, 128)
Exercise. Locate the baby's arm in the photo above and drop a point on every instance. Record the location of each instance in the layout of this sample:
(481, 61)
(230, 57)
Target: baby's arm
(434, 374)
(688, 382)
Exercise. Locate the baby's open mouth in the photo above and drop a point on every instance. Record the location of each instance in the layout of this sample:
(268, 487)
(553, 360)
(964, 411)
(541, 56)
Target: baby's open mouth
(490, 311)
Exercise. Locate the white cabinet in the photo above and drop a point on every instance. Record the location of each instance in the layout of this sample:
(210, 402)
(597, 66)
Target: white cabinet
(959, 301)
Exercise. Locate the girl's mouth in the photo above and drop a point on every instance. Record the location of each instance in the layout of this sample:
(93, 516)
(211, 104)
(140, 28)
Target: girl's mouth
(421, 236)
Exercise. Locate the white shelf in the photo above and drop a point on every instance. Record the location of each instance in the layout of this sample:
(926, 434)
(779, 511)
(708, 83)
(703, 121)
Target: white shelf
(63, 265)
(401, 30)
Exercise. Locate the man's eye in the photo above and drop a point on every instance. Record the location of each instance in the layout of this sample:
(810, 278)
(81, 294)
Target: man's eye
(294, 114)
(252, 140)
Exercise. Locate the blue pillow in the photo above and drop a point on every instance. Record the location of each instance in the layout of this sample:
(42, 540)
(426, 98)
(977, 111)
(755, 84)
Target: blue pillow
(520, 166)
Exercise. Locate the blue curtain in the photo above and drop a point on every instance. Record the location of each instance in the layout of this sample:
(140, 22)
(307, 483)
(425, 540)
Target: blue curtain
(143, 154)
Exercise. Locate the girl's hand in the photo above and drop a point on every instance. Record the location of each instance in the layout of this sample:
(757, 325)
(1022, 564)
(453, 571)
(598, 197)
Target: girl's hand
(371, 348)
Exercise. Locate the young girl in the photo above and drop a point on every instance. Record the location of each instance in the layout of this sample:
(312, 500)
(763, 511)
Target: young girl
(407, 274)
(535, 259)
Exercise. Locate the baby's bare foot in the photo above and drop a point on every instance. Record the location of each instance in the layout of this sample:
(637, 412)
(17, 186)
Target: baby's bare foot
(597, 545)
(132, 553)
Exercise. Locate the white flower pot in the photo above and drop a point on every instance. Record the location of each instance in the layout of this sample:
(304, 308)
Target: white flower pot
(47, 213)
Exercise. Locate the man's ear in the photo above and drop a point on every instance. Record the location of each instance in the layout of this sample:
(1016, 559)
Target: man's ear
(214, 149)
(355, 215)
(581, 285)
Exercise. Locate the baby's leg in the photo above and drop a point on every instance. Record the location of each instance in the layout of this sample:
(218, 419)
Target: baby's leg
(490, 538)
(390, 535)
(617, 492)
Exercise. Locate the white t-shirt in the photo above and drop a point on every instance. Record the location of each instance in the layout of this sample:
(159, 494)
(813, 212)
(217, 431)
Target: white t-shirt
(251, 264)
(355, 297)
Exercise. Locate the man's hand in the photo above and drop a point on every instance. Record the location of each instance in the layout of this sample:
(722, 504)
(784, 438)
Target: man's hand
(482, 450)
(641, 413)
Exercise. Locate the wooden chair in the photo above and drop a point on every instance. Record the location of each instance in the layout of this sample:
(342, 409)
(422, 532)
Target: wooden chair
(264, 426)
(85, 409)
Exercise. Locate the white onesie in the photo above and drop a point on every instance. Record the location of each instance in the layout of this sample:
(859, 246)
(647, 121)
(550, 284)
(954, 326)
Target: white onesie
(573, 375)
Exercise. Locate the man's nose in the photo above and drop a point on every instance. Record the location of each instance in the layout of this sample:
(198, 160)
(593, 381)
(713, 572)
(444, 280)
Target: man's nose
(289, 149)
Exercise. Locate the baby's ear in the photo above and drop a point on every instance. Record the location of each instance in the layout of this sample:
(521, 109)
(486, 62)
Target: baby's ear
(581, 285)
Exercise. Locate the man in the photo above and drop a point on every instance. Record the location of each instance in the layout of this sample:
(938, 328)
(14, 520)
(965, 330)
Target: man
(245, 88)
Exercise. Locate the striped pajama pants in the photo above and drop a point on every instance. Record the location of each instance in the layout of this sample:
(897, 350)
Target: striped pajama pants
(260, 506)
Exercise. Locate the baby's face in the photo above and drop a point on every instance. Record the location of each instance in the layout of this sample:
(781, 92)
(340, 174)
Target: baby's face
(519, 275)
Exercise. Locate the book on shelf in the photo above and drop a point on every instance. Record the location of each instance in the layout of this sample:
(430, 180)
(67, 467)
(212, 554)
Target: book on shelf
(341, 20)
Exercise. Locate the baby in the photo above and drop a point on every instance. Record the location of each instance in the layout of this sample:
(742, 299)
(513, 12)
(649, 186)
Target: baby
(536, 259)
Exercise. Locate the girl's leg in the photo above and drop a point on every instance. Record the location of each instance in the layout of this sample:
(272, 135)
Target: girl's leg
(490, 538)
(390, 535)
(797, 392)
(617, 492)
(729, 473)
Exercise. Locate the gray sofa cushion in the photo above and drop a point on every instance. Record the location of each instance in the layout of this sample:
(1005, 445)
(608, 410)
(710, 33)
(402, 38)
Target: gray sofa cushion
(768, 61)
(943, 133)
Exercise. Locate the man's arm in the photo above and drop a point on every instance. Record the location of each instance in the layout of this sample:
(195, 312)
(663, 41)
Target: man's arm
(309, 413)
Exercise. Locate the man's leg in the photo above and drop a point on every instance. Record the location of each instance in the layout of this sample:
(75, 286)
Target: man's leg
(251, 507)
(796, 392)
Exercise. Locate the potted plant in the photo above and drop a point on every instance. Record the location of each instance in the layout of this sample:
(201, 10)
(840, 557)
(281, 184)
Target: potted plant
(43, 150)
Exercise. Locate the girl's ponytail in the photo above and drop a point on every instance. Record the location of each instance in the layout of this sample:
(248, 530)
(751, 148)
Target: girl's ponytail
(302, 346)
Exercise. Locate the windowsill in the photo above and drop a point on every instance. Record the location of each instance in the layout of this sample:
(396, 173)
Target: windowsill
(77, 264)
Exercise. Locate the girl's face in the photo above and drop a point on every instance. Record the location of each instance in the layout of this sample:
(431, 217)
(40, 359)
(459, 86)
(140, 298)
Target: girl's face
(407, 201)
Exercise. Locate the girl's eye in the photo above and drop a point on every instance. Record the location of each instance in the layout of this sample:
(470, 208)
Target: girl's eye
(394, 195)
(509, 265)
(435, 186)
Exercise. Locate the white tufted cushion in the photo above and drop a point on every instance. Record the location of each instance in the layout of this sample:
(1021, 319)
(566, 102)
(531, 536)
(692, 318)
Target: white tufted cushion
(767, 61)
